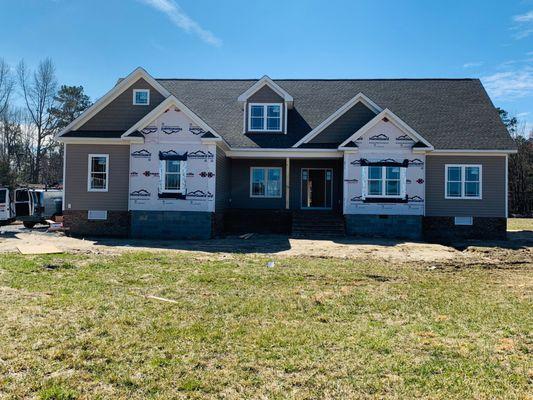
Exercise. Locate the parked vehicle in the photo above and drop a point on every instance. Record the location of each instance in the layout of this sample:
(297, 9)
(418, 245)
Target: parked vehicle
(7, 208)
(35, 206)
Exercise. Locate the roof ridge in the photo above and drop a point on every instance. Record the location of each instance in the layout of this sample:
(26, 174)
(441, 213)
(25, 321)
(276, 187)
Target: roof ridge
(317, 79)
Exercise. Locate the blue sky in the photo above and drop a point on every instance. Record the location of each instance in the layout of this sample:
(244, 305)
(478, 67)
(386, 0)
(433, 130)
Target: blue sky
(92, 43)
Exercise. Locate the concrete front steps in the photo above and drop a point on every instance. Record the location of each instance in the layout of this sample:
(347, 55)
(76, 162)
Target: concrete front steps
(317, 224)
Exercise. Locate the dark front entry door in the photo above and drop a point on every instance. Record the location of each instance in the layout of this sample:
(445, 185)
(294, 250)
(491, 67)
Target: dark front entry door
(316, 187)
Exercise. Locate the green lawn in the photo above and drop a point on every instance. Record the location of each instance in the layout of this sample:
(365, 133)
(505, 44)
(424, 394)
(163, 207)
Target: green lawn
(80, 326)
(520, 224)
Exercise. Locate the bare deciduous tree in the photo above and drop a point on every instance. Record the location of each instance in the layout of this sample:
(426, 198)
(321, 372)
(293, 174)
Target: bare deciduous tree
(6, 85)
(38, 91)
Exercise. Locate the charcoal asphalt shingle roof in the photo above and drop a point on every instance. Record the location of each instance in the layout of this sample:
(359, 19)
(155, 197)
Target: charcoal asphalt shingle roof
(449, 113)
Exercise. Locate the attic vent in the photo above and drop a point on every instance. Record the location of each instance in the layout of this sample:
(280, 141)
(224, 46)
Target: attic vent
(385, 119)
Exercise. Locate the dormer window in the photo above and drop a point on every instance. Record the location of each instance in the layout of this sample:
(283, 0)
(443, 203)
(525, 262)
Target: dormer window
(264, 117)
(141, 97)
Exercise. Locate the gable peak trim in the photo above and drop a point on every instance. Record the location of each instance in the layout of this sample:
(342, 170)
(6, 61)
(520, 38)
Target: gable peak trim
(266, 81)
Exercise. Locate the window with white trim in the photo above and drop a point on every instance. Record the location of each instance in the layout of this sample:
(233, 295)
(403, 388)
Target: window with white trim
(463, 181)
(141, 97)
(265, 182)
(384, 181)
(264, 117)
(98, 179)
(173, 176)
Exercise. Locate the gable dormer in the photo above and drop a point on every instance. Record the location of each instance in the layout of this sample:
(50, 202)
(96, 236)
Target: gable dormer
(265, 107)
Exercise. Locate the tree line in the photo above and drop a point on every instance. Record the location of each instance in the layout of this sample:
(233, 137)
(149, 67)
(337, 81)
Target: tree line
(520, 168)
(34, 107)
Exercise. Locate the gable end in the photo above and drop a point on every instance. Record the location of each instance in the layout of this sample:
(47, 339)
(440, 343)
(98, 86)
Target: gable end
(120, 114)
(340, 130)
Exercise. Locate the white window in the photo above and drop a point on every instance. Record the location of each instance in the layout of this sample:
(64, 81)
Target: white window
(141, 97)
(98, 177)
(265, 182)
(264, 117)
(463, 181)
(384, 181)
(173, 176)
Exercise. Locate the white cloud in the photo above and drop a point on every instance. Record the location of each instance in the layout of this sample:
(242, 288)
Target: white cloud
(522, 114)
(523, 25)
(472, 64)
(510, 84)
(178, 17)
(527, 17)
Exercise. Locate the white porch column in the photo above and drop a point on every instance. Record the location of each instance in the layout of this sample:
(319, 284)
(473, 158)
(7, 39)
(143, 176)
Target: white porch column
(287, 184)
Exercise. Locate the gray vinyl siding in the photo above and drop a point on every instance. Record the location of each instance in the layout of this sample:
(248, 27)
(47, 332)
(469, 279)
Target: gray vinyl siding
(223, 181)
(296, 166)
(121, 114)
(492, 203)
(76, 170)
(266, 95)
(240, 185)
(346, 125)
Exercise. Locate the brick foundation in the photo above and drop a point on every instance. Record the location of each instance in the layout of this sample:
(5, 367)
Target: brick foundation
(389, 226)
(171, 225)
(444, 229)
(257, 221)
(116, 225)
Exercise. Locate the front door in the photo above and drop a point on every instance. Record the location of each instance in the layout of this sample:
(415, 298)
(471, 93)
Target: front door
(317, 188)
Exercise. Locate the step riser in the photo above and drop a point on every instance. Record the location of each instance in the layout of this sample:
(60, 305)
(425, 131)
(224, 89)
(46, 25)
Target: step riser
(317, 225)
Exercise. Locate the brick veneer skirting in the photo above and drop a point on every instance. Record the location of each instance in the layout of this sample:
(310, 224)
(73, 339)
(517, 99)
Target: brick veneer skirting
(390, 226)
(444, 229)
(171, 225)
(116, 225)
(257, 221)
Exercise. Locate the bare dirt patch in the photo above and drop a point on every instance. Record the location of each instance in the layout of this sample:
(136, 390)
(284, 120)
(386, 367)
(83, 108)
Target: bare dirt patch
(517, 250)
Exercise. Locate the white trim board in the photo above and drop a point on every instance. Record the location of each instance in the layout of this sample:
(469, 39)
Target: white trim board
(472, 152)
(84, 140)
(265, 80)
(359, 98)
(394, 119)
(284, 153)
(112, 95)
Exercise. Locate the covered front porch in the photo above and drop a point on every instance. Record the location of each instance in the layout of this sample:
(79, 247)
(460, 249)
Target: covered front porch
(268, 193)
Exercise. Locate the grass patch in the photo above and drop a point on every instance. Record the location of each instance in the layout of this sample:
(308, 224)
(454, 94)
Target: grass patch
(520, 224)
(307, 328)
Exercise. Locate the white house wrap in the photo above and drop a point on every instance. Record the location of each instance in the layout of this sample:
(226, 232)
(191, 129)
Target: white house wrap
(384, 144)
(172, 136)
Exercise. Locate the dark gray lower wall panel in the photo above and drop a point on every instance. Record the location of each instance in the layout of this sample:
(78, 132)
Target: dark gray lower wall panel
(391, 226)
(444, 229)
(171, 225)
(257, 221)
(117, 224)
